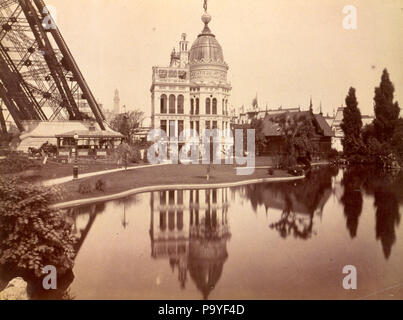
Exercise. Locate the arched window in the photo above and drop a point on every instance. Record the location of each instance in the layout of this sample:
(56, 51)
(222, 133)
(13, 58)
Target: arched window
(181, 103)
(164, 100)
(192, 105)
(208, 105)
(197, 106)
(214, 106)
(172, 100)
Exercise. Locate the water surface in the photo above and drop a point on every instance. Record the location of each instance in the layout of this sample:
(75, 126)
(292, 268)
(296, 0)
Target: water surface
(286, 240)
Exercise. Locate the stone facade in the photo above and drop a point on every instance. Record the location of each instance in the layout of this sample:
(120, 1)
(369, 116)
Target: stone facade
(193, 92)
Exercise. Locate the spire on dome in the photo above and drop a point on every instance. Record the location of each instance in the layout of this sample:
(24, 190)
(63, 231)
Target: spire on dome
(206, 18)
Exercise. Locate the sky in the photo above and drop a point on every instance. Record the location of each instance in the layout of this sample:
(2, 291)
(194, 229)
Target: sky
(283, 51)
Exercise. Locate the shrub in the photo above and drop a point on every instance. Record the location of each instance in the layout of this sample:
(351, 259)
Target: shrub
(15, 163)
(130, 153)
(287, 161)
(33, 235)
(100, 185)
(85, 187)
(134, 155)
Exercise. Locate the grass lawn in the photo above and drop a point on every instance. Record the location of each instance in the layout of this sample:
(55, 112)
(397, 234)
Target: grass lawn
(52, 170)
(162, 175)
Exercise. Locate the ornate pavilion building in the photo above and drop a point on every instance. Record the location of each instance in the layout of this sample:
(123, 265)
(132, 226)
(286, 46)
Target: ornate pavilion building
(193, 92)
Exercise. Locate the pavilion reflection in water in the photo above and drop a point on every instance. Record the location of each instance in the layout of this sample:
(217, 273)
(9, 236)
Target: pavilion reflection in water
(190, 229)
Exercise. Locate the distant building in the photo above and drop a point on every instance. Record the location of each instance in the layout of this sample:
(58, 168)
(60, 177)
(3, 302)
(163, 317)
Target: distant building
(116, 103)
(247, 117)
(193, 92)
(274, 135)
(140, 133)
(338, 132)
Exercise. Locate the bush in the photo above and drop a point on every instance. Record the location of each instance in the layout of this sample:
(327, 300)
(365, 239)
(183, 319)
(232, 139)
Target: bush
(100, 185)
(16, 162)
(33, 235)
(287, 161)
(85, 187)
(130, 153)
(134, 155)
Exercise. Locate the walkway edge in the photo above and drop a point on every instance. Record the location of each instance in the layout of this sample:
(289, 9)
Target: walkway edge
(61, 180)
(75, 203)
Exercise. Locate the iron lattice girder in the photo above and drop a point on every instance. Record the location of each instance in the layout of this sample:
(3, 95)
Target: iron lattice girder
(42, 63)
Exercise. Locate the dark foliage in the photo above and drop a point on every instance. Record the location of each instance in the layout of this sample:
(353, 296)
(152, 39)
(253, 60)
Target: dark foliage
(85, 187)
(33, 235)
(386, 110)
(351, 125)
(16, 162)
(100, 185)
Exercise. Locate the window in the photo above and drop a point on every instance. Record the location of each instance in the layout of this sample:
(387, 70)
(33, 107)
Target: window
(192, 105)
(215, 125)
(214, 106)
(171, 196)
(207, 124)
(197, 106)
(164, 103)
(180, 126)
(179, 221)
(164, 126)
(163, 220)
(208, 105)
(172, 101)
(171, 220)
(191, 127)
(172, 128)
(223, 106)
(181, 102)
(198, 127)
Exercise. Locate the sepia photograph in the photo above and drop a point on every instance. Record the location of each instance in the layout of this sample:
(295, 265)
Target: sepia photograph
(201, 150)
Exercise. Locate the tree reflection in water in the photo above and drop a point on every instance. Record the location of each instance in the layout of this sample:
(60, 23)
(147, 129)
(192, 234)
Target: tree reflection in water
(386, 188)
(299, 201)
(190, 229)
(352, 198)
(387, 191)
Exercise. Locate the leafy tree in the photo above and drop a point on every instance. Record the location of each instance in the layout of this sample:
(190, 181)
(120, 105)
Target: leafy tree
(298, 131)
(33, 235)
(125, 123)
(386, 111)
(260, 139)
(397, 139)
(351, 125)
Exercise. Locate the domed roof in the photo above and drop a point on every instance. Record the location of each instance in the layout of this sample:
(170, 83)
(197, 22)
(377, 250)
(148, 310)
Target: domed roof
(206, 48)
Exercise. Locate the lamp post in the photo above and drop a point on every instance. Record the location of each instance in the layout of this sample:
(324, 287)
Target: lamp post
(75, 167)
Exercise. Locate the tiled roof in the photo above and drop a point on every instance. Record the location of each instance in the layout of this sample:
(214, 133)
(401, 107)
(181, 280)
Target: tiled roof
(90, 134)
(271, 128)
(327, 131)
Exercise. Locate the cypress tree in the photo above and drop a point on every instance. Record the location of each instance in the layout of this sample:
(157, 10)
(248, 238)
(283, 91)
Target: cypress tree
(386, 111)
(351, 124)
